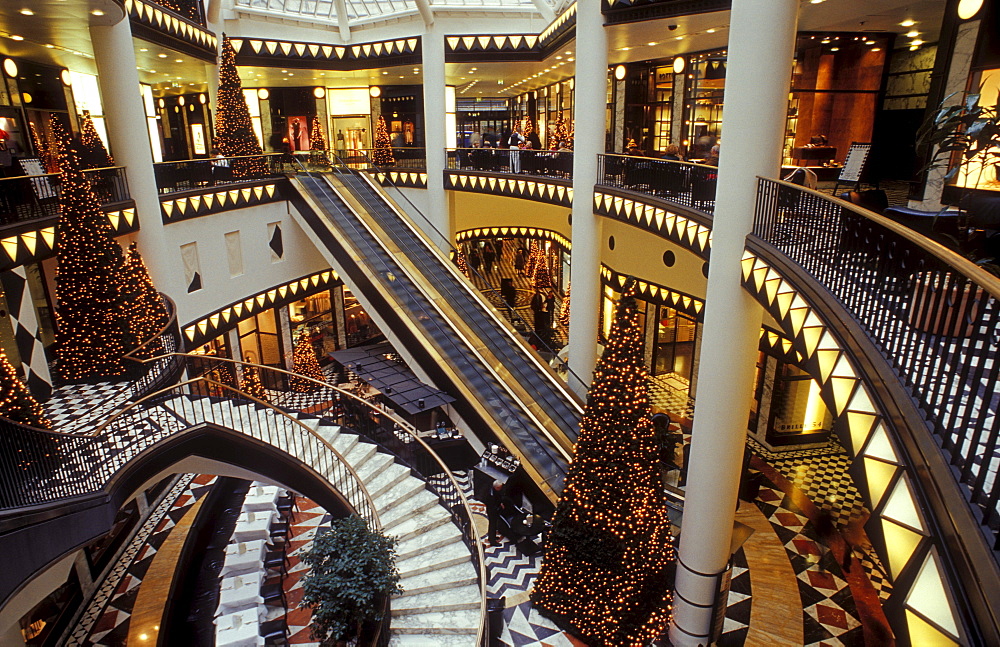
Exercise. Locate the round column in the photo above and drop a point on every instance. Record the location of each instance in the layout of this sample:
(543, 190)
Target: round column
(761, 46)
(590, 99)
(432, 52)
(127, 132)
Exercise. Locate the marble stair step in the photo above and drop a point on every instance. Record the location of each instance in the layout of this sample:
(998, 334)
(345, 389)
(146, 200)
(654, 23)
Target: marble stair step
(373, 467)
(397, 495)
(420, 523)
(461, 574)
(465, 622)
(442, 535)
(419, 502)
(433, 640)
(440, 557)
(387, 479)
(328, 432)
(458, 598)
(345, 442)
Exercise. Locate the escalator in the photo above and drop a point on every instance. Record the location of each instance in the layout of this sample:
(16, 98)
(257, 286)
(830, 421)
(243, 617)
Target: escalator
(453, 335)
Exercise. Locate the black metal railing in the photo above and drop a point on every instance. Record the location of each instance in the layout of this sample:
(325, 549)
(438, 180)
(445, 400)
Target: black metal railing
(543, 163)
(933, 315)
(188, 175)
(690, 185)
(30, 197)
(167, 369)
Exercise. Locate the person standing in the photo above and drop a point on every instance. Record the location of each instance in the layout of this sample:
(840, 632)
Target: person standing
(550, 309)
(541, 317)
(496, 504)
(488, 257)
(520, 260)
(475, 260)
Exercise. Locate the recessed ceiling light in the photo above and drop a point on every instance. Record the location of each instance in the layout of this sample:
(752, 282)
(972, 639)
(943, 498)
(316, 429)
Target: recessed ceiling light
(711, 31)
(917, 42)
(178, 60)
(97, 12)
(679, 38)
(908, 23)
(651, 44)
(912, 34)
(161, 55)
(16, 37)
(143, 49)
(50, 46)
(26, 12)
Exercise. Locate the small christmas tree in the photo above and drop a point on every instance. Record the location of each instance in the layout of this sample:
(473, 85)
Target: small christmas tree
(90, 301)
(543, 279)
(560, 137)
(609, 562)
(382, 155)
(317, 143)
(252, 385)
(564, 309)
(463, 265)
(148, 314)
(528, 127)
(305, 363)
(16, 402)
(234, 135)
(534, 255)
(43, 148)
(94, 154)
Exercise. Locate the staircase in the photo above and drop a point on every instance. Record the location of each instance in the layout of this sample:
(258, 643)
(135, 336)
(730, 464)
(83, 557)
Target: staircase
(441, 600)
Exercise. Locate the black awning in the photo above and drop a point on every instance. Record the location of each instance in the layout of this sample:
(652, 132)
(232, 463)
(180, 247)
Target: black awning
(396, 382)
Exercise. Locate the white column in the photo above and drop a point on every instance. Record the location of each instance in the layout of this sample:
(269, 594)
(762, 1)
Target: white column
(126, 123)
(590, 87)
(432, 46)
(761, 43)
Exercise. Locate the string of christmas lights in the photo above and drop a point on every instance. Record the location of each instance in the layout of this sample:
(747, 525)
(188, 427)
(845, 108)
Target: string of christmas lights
(16, 402)
(93, 327)
(305, 363)
(559, 136)
(609, 561)
(234, 135)
(94, 153)
(564, 308)
(543, 279)
(382, 154)
(317, 143)
(148, 315)
(252, 385)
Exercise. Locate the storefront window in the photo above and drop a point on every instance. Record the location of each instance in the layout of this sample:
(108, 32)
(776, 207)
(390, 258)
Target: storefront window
(704, 120)
(314, 317)
(360, 329)
(259, 340)
(798, 414)
(981, 171)
(673, 353)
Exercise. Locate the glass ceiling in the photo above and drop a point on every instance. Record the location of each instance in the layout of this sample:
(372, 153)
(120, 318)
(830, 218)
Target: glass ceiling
(366, 11)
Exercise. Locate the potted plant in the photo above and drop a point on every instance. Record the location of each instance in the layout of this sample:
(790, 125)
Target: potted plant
(352, 571)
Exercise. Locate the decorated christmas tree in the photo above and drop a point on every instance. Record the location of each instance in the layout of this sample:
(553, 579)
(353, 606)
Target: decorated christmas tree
(252, 385)
(609, 562)
(560, 138)
(43, 148)
(305, 363)
(16, 402)
(148, 315)
(564, 309)
(94, 154)
(91, 306)
(382, 154)
(463, 265)
(317, 143)
(234, 135)
(528, 128)
(543, 279)
(534, 255)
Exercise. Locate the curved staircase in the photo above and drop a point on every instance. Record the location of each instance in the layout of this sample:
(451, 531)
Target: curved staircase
(440, 604)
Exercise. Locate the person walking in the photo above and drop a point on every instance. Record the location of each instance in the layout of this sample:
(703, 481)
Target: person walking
(496, 504)
(488, 257)
(475, 260)
(520, 260)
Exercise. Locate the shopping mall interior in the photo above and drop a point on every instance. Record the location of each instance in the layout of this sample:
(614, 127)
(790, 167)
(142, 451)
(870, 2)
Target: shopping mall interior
(446, 215)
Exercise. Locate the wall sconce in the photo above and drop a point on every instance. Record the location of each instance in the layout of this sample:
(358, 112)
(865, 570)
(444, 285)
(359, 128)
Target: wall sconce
(319, 92)
(620, 72)
(181, 101)
(161, 103)
(374, 92)
(263, 94)
(25, 97)
(202, 99)
(66, 78)
(679, 65)
(10, 67)
(969, 8)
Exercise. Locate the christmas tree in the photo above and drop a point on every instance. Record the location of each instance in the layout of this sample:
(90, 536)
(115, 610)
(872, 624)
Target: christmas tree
(94, 154)
(564, 309)
(148, 314)
(305, 363)
(543, 279)
(317, 143)
(560, 138)
(91, 307)
(534, 255)
(43, 149)
(16, 402)
(463, 265)
(252, 385)
(608, 568)
(382, 155)
(234, 133)
(528, 128)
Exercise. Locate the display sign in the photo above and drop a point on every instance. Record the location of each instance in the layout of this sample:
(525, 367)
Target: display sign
(854, 166)
(198, 139)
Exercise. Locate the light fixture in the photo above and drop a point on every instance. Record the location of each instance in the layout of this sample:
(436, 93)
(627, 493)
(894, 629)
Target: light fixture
(26, 12)
(319, 92)
(10, 67)
(202, 99)
(25, 97)
(909, 22)
(374, 92)
(620, 72)
(97, 12)
(178, 60)
(161, 103)
(66, 78)
(181, 101)
(916, 43)
(263, 94)
(191, 108)
(969, 8)
(161, 55)
(16, 37)
(912, 34)
(679, 65)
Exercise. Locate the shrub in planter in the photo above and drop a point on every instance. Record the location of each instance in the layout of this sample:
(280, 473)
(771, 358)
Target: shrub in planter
(352, 569)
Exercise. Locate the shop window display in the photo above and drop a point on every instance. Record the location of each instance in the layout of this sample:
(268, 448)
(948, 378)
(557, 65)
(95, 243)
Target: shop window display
(314, 317)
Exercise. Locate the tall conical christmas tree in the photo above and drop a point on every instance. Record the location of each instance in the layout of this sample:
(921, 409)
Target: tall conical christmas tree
(16, 402)
(382, 154)
(251, 384)
(317, 143)
(305, 363)
(234, 133)
(148, 314)
(463, 264)
(609, 562)
(535, 254)
(95, 155)
(90, 301)
(564, 309)
(543, 279)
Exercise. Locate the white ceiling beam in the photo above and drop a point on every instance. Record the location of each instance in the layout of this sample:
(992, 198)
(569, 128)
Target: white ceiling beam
(545, 9)
(424, 6)
(342, 20)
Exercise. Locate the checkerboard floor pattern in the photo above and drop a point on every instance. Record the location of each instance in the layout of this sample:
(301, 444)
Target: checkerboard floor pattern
(74, 407)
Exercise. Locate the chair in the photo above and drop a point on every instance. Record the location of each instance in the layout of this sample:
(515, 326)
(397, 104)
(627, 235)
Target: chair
(874, 199)
(274, 632)
(280, 530)
(274, 593)
(287, 505)
(276, 560)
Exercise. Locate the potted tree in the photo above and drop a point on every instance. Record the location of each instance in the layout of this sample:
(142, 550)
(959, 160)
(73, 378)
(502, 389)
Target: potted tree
(352, 571)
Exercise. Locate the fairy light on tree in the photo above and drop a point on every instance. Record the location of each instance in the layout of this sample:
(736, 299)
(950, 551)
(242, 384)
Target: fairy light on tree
(93, 325)
(462, 263)
(535, 256)
(305, 363)
(94, 153)
(317, 143)
(609, 562)
(382, 154)
(543, 279)
(16, 402)
(234, 135)
(564, 308)
(251, 384)
(147, 315)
